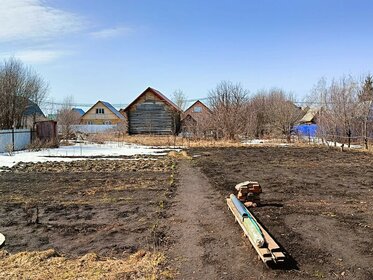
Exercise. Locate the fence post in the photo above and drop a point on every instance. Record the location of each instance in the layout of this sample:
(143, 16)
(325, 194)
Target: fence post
(12, 139)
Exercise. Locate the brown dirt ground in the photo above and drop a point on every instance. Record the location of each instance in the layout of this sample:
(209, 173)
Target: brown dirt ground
(207, 242)
(112, 208)
(318, 204)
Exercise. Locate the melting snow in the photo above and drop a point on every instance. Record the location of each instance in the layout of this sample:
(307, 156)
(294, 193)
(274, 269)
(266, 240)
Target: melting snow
(81, 151)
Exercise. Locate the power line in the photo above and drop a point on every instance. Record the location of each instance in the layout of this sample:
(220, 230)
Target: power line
(123, 105)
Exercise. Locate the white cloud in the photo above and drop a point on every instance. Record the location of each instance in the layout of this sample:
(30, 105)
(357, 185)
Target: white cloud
(35, 56)
(111, 32)
(34, 19)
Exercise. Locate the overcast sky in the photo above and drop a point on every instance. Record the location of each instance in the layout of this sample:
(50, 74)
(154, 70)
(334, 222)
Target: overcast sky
(112, 50)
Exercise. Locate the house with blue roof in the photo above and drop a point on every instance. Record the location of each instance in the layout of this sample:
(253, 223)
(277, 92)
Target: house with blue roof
(78, 110)
(102, 113)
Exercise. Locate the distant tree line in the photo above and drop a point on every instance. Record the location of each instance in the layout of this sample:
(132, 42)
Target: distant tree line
(19, 85)
(237, 114)
(344, 109)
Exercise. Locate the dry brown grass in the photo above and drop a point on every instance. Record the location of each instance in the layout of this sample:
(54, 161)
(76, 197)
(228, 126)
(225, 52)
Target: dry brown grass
(49, 265)
(167, 140)
(179, 155)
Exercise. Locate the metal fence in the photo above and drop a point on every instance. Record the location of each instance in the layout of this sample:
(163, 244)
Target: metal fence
(14, 139)
(90, 128)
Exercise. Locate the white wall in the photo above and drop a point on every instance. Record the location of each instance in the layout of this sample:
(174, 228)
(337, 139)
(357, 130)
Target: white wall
(91, 128)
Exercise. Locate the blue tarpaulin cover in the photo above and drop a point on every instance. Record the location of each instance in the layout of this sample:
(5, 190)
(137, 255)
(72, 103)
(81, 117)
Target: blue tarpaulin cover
(306, 130)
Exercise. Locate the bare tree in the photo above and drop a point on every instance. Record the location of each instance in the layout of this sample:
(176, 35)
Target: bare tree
(67, 117)
(19, 85)
(284, 114)
(228, 103)
(340, 108)
(272, 113)
(179, 98)
(366, 99)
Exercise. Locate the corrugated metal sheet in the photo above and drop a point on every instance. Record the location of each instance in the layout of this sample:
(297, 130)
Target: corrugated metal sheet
(310, 115)
(46, 130)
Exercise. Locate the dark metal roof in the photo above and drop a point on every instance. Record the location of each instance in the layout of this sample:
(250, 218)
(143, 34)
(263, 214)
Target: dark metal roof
(33, 109)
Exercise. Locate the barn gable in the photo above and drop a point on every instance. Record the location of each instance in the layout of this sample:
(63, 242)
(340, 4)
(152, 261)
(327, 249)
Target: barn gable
(197, 110)
(152, 113)
(195, 120)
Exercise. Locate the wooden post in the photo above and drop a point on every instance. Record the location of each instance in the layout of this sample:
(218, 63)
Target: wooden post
(12, 139)
(366, 134)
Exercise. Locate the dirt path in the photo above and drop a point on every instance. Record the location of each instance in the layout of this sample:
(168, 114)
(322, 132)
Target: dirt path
(208, 244)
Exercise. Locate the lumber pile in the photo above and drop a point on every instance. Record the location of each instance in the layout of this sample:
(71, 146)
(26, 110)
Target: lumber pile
(2, 240)
(249, 193)
(264, 244)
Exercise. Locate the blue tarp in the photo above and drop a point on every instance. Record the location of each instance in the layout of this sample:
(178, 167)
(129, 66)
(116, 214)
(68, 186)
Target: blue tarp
(306, 130)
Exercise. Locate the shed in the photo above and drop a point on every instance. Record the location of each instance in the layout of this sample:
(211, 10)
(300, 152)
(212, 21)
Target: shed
(46, 131)
(152, 113)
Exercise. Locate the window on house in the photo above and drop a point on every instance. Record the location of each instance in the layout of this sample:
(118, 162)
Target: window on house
(107, 122)
(100, 111)
(197, 109)
(89, 122)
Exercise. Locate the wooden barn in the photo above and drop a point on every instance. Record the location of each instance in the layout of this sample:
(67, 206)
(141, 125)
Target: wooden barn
(152, 113)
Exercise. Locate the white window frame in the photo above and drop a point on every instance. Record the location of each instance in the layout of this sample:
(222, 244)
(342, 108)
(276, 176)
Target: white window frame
(197, 109)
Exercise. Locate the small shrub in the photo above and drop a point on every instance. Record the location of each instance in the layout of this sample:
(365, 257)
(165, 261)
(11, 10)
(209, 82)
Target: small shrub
(9, 149)
(38, 145)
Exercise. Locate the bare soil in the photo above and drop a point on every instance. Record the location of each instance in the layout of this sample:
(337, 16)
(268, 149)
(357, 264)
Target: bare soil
(318, 204)
(207, 244)
(109, 207)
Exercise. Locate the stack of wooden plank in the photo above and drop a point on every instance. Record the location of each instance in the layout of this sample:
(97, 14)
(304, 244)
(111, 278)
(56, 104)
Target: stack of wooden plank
(2, 240)
(249, 193)
(269, 250)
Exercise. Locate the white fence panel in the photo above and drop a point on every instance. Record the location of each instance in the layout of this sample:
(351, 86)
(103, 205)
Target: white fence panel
(91, 128)
(21, 138)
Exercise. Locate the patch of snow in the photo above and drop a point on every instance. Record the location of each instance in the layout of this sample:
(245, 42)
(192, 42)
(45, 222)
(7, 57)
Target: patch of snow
(254, 141)
(81, 151)
(317, 140)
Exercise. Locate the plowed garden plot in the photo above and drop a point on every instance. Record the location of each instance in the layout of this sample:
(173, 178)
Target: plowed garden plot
(318, 204)
(109, 207)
